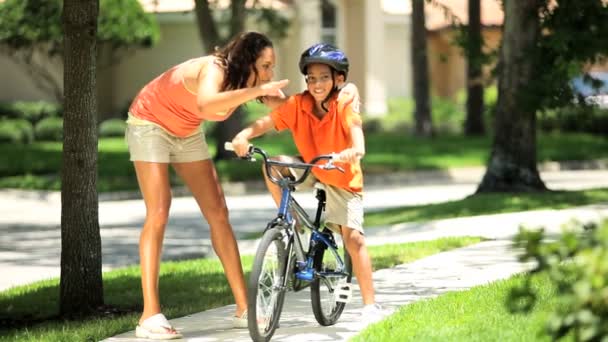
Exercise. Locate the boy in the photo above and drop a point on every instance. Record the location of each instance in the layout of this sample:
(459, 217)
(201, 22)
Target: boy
(322, 124)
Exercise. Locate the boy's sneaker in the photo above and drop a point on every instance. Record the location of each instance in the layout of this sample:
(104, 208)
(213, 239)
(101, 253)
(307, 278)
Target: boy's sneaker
(373, 313)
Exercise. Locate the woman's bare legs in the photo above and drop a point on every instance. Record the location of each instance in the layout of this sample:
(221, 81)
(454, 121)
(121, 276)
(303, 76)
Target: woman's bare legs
(201, 179)
(153, 179)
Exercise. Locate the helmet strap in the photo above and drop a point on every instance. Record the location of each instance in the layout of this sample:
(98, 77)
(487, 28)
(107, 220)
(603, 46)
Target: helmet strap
(334, 88)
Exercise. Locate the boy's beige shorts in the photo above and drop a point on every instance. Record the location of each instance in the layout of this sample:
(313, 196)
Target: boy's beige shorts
(342, 207)
(151, 143)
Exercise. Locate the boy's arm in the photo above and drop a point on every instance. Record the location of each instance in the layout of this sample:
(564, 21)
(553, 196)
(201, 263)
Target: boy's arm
(348, 94)
(357, 151)
(259, 127)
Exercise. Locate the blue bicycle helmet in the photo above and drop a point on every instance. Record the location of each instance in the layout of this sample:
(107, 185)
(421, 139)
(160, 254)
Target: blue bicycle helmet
(325, 54)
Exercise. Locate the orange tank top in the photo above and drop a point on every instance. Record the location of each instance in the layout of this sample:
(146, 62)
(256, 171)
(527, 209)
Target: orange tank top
(167, 102)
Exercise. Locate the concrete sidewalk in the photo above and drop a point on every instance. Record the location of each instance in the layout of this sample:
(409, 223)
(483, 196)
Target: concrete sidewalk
(454, 270)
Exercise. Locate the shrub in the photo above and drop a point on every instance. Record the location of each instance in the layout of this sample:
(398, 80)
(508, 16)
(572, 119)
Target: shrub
(575, 118)
(112, 128)
(577, 263)
(16, 131)
(32, 111)
(49, 129)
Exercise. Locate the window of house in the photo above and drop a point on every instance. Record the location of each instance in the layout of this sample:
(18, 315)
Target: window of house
(328, 22)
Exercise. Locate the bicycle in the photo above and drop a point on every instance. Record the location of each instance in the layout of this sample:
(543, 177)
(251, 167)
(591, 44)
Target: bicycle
(281, 264)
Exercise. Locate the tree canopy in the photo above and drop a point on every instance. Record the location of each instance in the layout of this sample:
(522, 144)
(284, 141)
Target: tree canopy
(31, 33)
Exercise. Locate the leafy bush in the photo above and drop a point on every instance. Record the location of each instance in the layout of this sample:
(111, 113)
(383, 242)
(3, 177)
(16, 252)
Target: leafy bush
(32, 111)
(577, 263)
(16, 131)
(575, 118)
(49, 129)
(448, 115)
(112, 128)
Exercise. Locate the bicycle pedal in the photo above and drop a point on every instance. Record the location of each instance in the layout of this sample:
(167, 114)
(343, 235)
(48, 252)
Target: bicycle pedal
(343, 293)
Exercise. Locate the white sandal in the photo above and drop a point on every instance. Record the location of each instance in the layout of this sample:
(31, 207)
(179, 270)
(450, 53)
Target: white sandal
(156, 327)
(240, 322)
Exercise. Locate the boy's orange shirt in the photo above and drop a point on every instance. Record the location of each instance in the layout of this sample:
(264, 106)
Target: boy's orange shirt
(314, 136)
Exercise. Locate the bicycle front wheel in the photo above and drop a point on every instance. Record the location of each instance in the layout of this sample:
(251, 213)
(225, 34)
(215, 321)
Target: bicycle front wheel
(324, 291)
(266, 290)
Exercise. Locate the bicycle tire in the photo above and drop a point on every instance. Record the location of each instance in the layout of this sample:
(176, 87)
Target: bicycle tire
(326, 309)
(266, 288)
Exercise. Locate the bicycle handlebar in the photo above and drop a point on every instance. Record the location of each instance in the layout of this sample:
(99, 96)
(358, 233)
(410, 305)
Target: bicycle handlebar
(307, 167)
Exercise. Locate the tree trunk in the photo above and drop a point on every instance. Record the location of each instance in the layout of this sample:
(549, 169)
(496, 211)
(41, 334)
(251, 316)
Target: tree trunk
(81, 287)
(512, 164)
(474, 121)
(207, 28)
(422, 113)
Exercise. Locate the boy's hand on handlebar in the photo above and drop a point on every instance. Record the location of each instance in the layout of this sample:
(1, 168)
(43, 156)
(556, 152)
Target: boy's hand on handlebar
(348, 155)
(241, 146)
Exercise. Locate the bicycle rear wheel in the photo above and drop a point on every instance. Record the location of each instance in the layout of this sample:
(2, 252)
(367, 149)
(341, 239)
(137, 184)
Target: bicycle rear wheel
(266, 290)
(325, 306)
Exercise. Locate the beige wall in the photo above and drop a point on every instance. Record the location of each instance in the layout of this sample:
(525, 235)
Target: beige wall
(118, 84)
(16, 83)
(354, 45)
(179, 42)
(397, 57)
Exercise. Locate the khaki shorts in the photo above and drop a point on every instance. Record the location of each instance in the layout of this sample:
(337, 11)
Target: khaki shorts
(342, 207)
(150, 143)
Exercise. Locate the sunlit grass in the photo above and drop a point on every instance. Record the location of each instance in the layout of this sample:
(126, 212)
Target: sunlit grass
(479, 314)
(483, 204)
(37, 166)
(30, 313)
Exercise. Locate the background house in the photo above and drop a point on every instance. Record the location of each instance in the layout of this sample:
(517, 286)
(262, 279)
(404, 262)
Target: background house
(375, 34)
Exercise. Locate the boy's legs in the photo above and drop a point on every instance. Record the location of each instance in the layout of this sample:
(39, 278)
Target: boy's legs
(344, 211)
(362, 266)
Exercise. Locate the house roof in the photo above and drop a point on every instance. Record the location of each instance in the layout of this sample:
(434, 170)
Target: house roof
(438, 16)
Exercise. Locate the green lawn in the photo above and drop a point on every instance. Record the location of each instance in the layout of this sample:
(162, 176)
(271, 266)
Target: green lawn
(29, 313)
(478, 314)
(37, 166)
(483, 204)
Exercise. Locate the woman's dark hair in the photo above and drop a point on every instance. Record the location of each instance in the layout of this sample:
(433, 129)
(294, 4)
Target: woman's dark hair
(238, 57)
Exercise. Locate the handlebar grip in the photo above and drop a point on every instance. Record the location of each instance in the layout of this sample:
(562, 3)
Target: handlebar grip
(228, 146)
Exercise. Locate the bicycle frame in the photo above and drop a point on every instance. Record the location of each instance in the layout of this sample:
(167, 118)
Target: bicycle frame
(284, 219)
(290, 267)
(304, 260)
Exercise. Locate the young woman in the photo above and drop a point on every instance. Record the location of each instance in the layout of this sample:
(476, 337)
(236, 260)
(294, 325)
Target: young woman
(164, 128)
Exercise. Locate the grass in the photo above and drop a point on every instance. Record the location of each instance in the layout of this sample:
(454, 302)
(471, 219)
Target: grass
(37, 166)
(30, 313)
(478, 314)
(484, 204)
